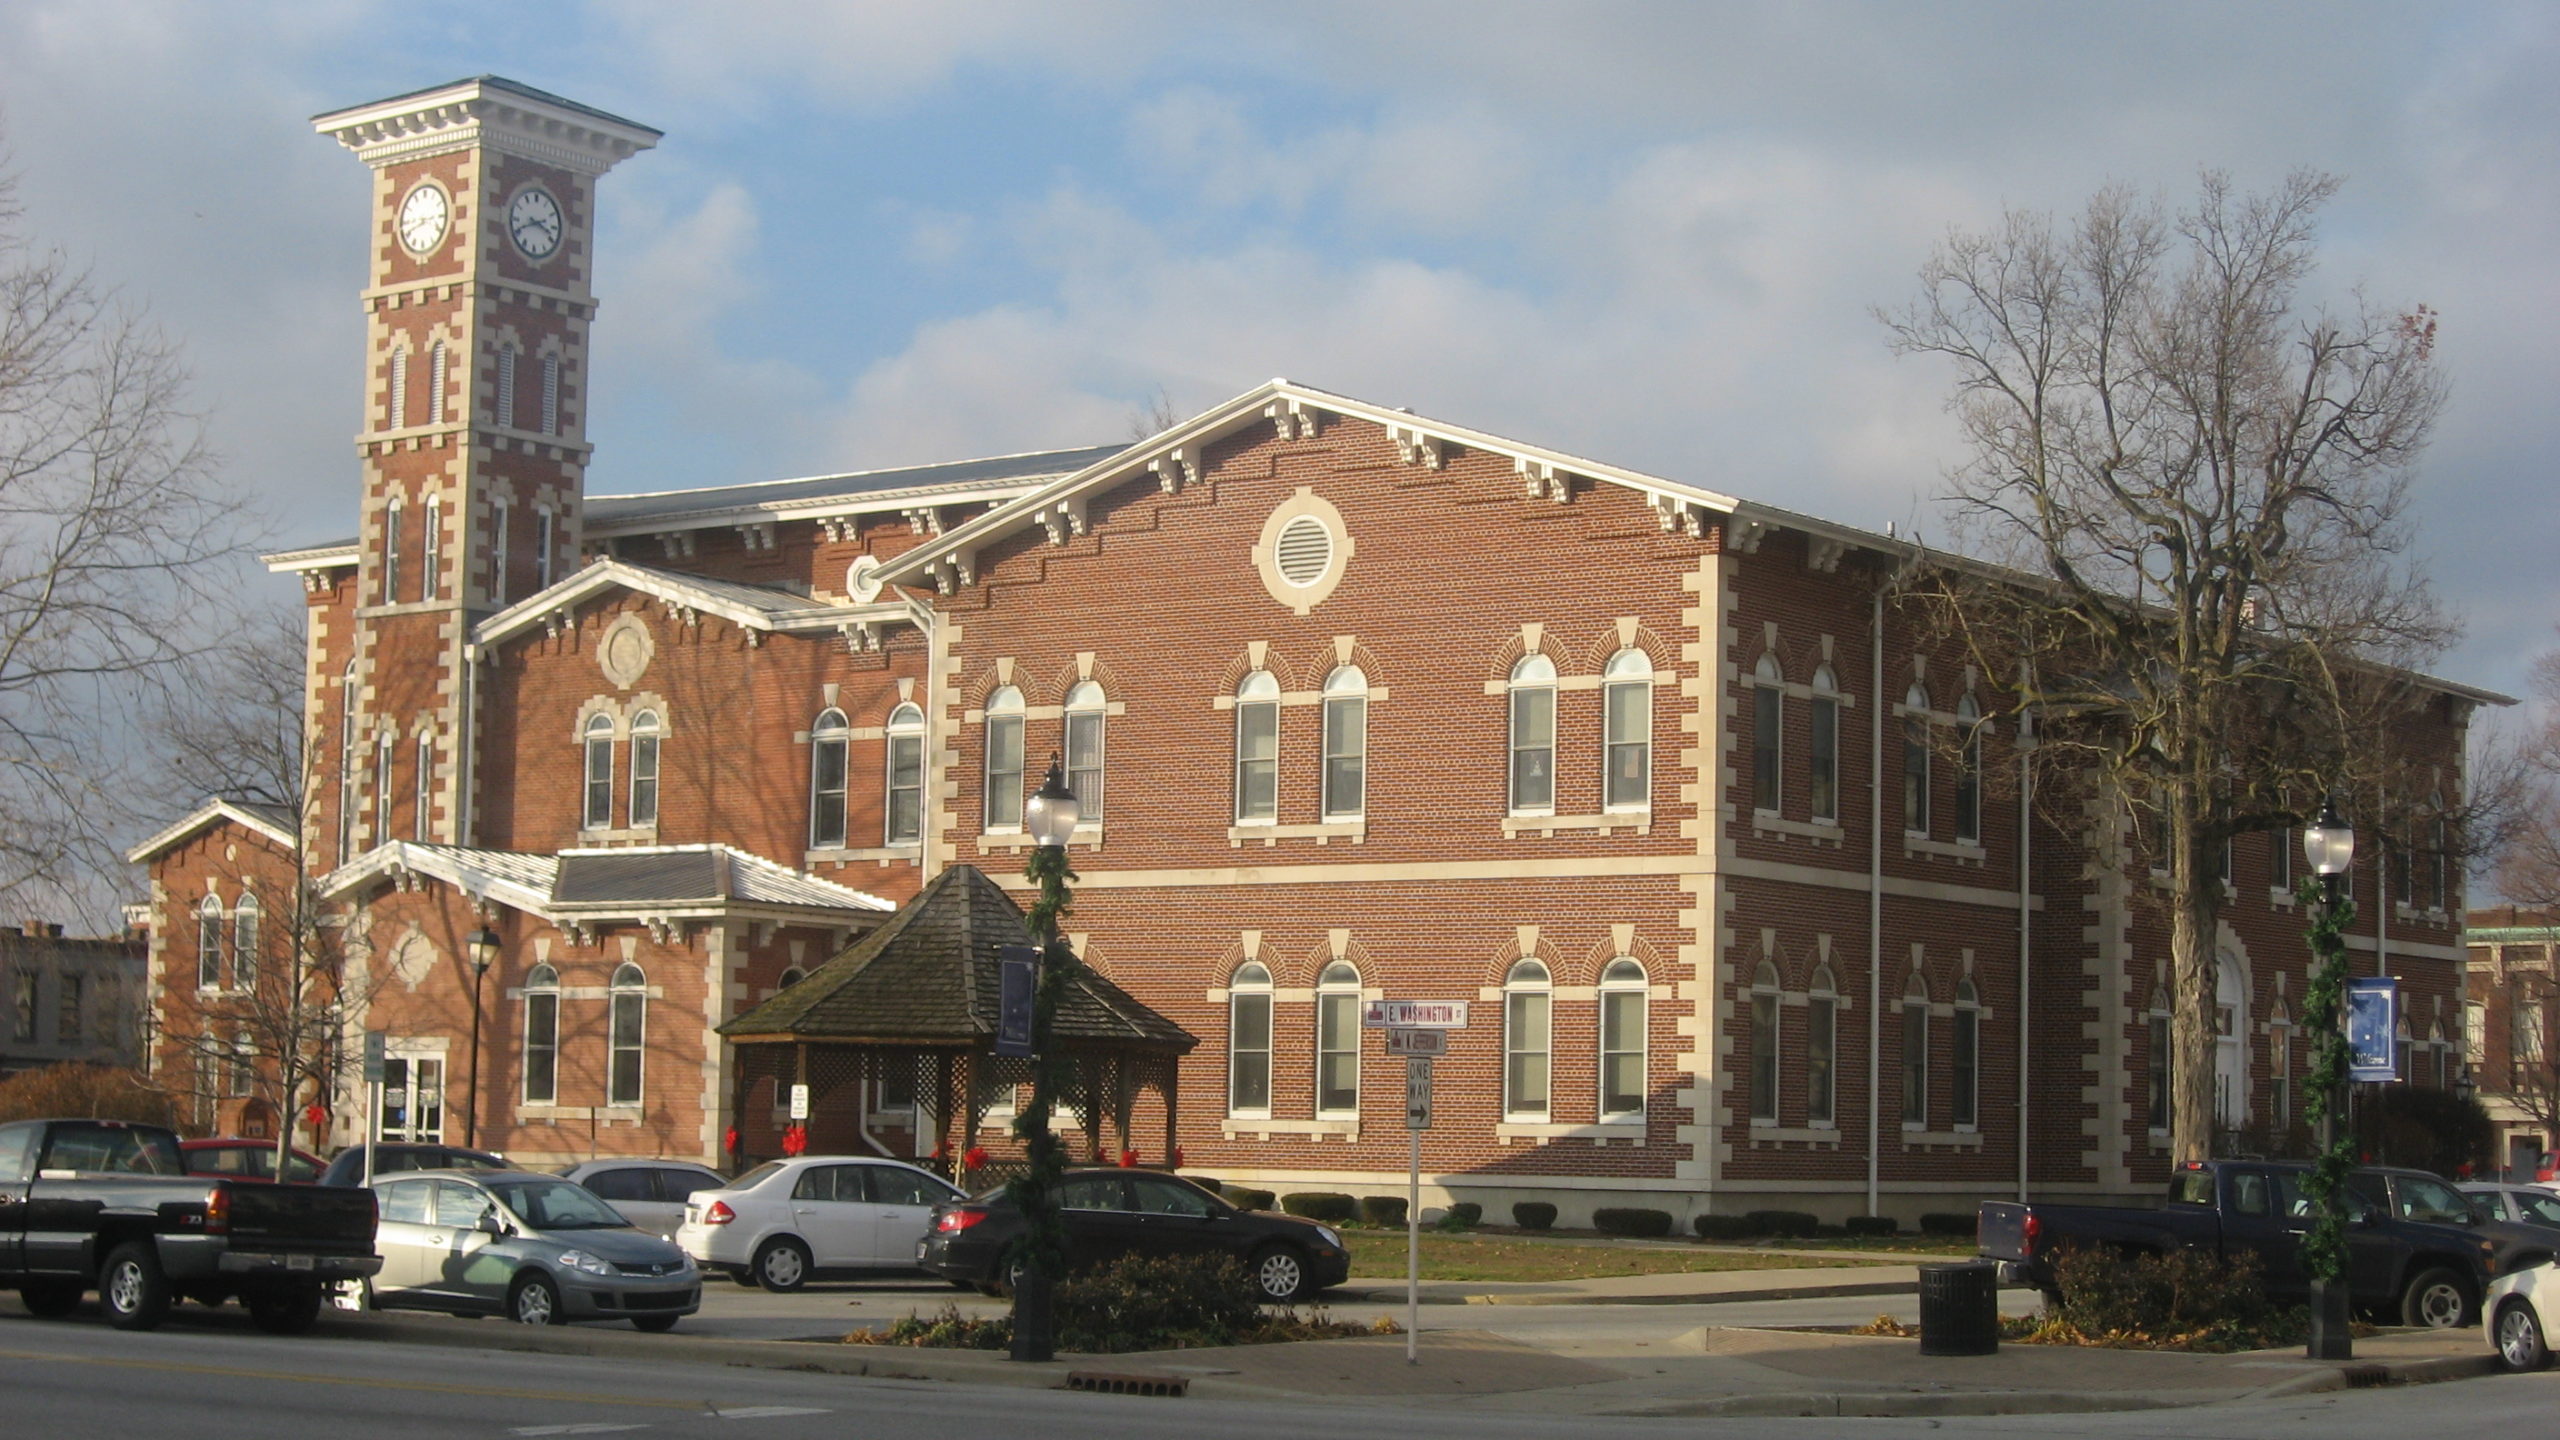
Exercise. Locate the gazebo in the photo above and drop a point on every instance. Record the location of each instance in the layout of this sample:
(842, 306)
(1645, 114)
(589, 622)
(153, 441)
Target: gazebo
(911, 1008)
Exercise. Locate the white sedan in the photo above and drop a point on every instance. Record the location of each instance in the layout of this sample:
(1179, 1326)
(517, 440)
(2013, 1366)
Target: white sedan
(2518, 1312)
(784, 1221)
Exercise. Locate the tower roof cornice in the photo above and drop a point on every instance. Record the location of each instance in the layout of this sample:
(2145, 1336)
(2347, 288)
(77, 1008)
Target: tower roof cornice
(491, 111)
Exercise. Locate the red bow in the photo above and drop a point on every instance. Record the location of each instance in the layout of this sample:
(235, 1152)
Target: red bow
(795, 1141)
(976, 1159)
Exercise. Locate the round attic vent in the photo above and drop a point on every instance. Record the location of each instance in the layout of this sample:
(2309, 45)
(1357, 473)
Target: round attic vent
(1305, 551)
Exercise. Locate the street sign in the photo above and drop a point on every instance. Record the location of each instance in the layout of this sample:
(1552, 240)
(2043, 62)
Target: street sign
(373, 1047)
(1410, 1043)
(799, 1102)
(1414, 1015)
(1417, 1093)
(1018, 974)
(2373, 1028)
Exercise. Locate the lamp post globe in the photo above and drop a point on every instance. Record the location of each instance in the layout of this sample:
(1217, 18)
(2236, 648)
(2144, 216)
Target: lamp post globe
(2329, 843)
(1050, 815)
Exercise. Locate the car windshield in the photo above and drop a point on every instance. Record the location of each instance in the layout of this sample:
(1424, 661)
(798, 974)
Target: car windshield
(557, 1205)
(756, 1177)
(112, 1150)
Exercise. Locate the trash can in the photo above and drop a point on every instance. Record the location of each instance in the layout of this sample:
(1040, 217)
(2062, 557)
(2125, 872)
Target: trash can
(1960, 1308)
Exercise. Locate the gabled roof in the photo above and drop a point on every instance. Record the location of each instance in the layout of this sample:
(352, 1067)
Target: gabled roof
(671, 881)
(930, 976)
(753, 607)
(273, 821)
(998, 477)
(1173, 458)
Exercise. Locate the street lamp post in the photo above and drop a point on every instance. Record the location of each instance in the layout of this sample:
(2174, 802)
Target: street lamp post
(483, 944)
(1050, 816)
(2329, 843)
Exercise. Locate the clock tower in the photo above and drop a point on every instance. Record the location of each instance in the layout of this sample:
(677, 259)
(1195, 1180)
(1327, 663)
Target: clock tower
(474, 441)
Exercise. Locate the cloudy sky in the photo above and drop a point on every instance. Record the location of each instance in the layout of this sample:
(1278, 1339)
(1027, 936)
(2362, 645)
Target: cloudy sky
(910, 230)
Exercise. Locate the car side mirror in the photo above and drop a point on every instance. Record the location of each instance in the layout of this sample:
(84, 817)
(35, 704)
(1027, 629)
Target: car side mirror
(490, 1224)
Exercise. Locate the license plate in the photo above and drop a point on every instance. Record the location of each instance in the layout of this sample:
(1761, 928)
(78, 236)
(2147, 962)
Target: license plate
(920, 1252)
(297, 1262)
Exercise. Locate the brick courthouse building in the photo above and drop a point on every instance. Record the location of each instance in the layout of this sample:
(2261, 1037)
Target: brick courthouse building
(1360, 705)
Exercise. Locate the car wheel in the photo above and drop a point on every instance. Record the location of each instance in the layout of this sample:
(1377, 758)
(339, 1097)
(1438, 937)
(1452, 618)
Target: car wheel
(782, 1266)
(50, 1299)
(135, 1292)
(655, 1324)
(2519, 1336)
(2437, 1300)
(285, 1309)
(1280, 1273)
(534, 1301)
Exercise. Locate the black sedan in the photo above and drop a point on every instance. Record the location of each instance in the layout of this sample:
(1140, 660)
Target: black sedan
(346, 1168)
(1111, 1213)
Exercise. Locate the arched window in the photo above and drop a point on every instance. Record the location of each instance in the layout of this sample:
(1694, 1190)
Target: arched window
(1915, 761)
(1622, 1040)
(542, 1036)
(1346, 743)
(2280, 1068)
(644, 769)
(1249, 1041)
(1528, 1036)
(1822, 1049)
(382, 749)
(1533, 736)
(630, 1034)
(2280, 861)
(1964, 1058)
(209, 943)
(1084, 748)
(391, 555)
(1822, 747)
(791, 975)
(830, 738)
(399, 407)
(2443, 1049)
(507, 386)
(906, 776)
(1258, 748)
(349, 764)
(1627, 739)
(245, 942)
(499, 515)
(1915, 1055)
(1764, 1044)
(431, 549)
(598, 811)
(2230, 1048)
(1768, 717)
(424, 803)
(542, 548)
(1004, 759)
(1338, 1040)
(2159, 1059)
(435, 383)
(2439, 856)
(1969, 772)
(550, 394)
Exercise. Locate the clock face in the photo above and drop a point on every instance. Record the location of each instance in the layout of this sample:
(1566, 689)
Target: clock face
(533, 219)
(422, 219)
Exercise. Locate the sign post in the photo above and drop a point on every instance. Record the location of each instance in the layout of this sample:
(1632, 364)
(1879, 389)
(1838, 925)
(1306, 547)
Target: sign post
(374, 1047)
(799, 1102)
(1417, 1118)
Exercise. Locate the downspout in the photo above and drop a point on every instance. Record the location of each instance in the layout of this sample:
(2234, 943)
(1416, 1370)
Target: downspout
(467, 754)
(1875, 904)
(2026, 970)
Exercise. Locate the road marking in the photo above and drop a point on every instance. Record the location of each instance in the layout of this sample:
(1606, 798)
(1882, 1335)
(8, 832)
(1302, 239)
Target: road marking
(766, 1412)
(428, 1387)
(590, 1428)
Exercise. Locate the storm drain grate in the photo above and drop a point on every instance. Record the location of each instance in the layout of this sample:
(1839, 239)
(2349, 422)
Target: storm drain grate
(1105, 1382)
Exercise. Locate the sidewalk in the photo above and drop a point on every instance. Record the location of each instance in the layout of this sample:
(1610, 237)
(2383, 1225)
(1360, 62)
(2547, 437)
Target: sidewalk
(1696, 1287)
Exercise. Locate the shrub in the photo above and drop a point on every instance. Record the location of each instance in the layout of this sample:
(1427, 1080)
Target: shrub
(1787, 1224)
(1946, 1223)
(2431, 1129)
(1871, 1225)
(85, 1092)
(1320, 1205)
(2184, 1296)
(1386, 1210)
(1244, 1198)
(1643, 1223)
(1157, 1302)
(1723, 1227)
(1534, 1215)
(1463, 1215)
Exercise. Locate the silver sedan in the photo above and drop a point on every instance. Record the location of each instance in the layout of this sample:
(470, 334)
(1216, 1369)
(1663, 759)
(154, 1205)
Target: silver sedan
(535, 1248)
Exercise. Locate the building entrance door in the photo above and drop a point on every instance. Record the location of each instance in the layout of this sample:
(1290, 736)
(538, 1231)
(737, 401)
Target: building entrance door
(413, 1098)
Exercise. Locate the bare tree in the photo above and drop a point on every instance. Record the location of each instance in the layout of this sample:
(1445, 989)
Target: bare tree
(113, 528)
(2200, 484)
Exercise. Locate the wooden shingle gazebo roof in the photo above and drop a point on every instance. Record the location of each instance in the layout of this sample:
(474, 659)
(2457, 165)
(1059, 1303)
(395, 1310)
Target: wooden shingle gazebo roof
(928, 979)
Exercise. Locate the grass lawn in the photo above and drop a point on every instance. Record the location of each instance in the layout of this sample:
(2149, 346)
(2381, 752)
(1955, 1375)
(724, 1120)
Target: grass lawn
(1379, 1254)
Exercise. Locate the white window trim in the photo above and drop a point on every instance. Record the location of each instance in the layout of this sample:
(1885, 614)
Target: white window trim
(615, 990)
(1609, 684)
(1641, 987)
(1334, 695)
(902, 731)
(1011, 712)
(1513, 985)
(1542, 687)
(1768, 681)
(832, 728)
(1262, 987)
(1332, 988)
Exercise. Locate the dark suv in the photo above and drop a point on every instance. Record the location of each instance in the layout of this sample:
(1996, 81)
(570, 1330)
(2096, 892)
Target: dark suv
(347, 1166)
(1111, 1213)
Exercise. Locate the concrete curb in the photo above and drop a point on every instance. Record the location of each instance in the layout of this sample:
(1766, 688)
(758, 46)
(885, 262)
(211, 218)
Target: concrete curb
(1394, 1295)
(879, 1362)
(1829, 1404)
(2367, 1374)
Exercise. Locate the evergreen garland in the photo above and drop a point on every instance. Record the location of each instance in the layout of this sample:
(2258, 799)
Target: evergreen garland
(2324, 1246)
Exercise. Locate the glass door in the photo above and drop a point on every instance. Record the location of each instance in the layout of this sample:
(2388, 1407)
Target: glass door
(413, 1098)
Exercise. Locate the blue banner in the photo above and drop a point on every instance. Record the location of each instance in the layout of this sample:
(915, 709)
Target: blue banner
(1018, 971)
(2373, 1027)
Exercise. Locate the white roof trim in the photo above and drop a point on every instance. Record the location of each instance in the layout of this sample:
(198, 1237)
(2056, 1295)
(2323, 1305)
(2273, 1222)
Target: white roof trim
(213, 810)
(318, 557)
(1267, 403)
(601, 575)
(451, 865)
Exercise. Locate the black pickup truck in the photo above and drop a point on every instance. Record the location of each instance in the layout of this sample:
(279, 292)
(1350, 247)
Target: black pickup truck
(2417, 1254)
(108, 1206)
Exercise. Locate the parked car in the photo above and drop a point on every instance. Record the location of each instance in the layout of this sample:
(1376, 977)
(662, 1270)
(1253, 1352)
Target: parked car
(1111, 1213)
(649, 1193)
(108, 1206)
(249, 1159)
(346, 1168)
(534, 1248)
(2518, 1204)
(786, 1221)
(2518, 1315)
(2416, 1250)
